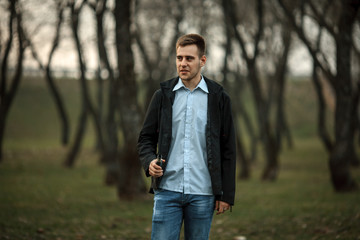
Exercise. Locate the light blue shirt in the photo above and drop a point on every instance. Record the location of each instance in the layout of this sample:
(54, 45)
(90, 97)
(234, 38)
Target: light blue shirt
(187, 170)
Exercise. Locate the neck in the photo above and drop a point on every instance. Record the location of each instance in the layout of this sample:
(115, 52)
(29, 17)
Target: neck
(192, 83)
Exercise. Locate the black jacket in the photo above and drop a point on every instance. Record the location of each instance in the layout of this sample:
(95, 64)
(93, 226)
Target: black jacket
(156, 133)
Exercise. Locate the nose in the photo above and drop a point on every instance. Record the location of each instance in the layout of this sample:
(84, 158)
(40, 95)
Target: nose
(183, 62)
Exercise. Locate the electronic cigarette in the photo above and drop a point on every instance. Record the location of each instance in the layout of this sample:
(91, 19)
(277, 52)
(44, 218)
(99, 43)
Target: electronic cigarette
(159, 161)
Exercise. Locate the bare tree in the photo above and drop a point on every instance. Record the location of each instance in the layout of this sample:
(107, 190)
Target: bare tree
(246, 34)
(110, 126)
(151, 38)
(8, 89)
(238, 106)
(130, 182)
(123, 114)
(339, 25)
(60, 6)
(87, 105)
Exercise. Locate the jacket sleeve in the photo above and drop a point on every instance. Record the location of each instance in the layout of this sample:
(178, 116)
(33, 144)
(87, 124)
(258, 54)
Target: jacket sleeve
(228, 152)
(148, 138)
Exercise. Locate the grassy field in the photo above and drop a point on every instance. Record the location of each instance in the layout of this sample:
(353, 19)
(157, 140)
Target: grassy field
(40, 199)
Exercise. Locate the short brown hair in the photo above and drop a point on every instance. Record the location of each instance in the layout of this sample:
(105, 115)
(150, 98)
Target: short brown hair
(190, 39)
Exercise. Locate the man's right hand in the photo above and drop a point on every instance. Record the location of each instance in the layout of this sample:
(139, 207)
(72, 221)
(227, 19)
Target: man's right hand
(154, 169)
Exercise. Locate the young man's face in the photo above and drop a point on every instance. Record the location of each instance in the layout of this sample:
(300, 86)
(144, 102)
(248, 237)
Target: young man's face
(188, 63)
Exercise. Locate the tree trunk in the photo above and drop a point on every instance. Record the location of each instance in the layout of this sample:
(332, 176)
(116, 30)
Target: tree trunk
(282, 128)
(243, 160)
(323, 133)
(7, 96)
(343, 152)
(81, 127)
(100, 102)
(271, 149)
(60, 107)
(237, 108)
(87, 106)
(110, 154)
(4, 106)
(130, 181)
(51, 84)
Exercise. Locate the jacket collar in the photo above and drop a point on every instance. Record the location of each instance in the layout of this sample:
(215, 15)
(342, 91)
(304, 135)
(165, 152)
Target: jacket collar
(213, 86)
(168, 85)
(202, 85)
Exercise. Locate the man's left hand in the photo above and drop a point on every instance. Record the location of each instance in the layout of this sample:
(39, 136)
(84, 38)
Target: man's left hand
(221, 207)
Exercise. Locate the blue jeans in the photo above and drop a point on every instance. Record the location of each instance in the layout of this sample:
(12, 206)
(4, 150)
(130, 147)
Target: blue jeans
(171, 209)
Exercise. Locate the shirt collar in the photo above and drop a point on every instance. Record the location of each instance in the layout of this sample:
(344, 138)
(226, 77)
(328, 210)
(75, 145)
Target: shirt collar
(202, 85)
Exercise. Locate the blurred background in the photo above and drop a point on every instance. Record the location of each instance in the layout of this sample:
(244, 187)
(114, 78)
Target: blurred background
(76, 79)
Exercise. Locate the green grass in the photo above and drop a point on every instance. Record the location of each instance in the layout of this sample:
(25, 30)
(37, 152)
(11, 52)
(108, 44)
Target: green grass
(301, 204)
(40, 199)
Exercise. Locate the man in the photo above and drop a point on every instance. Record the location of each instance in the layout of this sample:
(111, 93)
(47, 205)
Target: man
(189, 126)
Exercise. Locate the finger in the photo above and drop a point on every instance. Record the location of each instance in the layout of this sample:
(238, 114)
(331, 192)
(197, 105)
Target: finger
(221, 211)
(156, 175)
(217, 205)
(151, 170)
(222, 207)
(226, 206)
(157, 167)
(153, 166)
(219, 208)
(155, 172)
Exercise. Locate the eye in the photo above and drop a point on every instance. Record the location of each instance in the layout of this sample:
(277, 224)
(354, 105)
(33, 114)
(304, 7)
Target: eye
(179, 58)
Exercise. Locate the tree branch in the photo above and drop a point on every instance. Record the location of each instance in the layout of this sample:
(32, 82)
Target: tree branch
(314, 53)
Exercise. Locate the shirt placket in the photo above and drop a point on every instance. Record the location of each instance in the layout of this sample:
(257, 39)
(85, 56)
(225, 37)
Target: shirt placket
(187, 141)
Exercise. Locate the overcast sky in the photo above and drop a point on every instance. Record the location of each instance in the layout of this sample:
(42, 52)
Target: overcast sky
(299, 63)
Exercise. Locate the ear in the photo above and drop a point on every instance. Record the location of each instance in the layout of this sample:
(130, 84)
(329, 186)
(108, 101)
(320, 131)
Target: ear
(202, 61)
